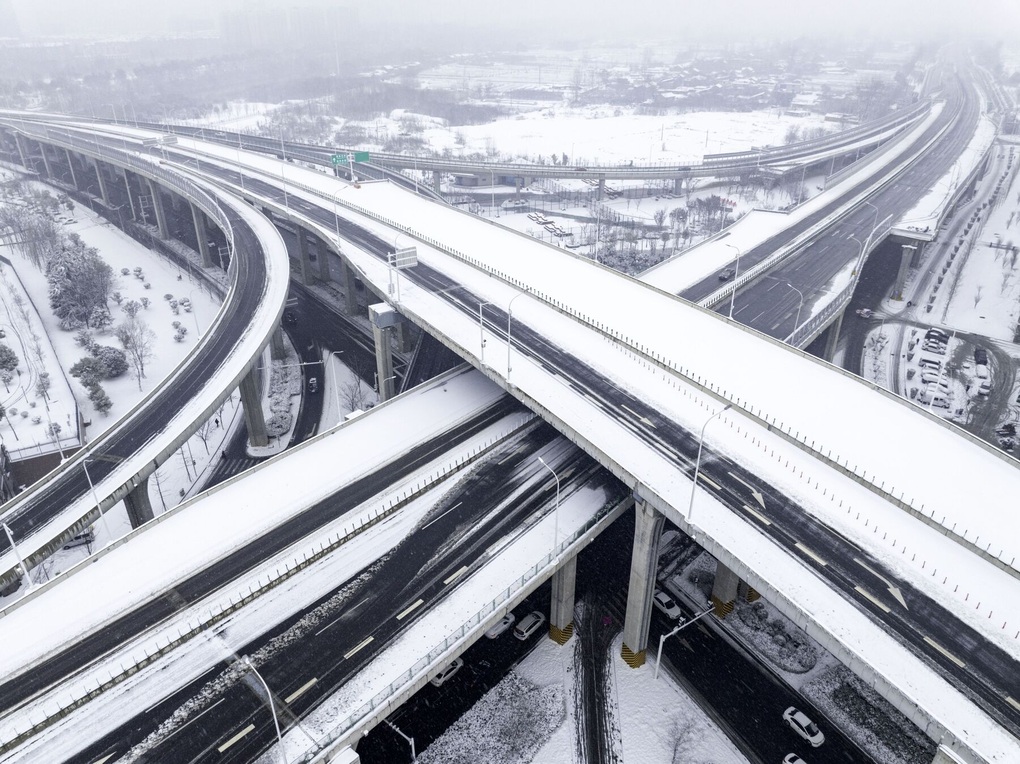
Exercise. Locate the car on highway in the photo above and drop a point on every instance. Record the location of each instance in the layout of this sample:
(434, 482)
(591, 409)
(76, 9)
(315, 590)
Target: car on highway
(313, 384)
(447, 672)
(726, 275)
(528, 625)
(289, 318)
(666, 604)
(792, 758)
(803, 726)
(501, 626)
(865, 312)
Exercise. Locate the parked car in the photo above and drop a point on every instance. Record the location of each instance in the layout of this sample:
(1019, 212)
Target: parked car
(501, 625)
(726, 275)
(666, 604)
(981, 356)
(528, 625)
(803, 726)
(447, 672)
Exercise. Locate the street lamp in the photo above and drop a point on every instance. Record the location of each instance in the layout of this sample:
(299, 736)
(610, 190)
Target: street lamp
(92, 487)
(509, 316)
(269, 699)
(556, 511)
(697, 464)
(796, 323)
(378, 388)
(736, 273)
(664, 637)
(481, 335)
(194, 313)
(410, 740)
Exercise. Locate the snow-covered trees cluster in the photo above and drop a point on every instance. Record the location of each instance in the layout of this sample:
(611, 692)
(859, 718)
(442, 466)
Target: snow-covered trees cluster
(80, 283)
(103, 362)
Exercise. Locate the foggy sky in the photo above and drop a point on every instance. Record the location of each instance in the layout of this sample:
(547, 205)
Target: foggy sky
(654, 20)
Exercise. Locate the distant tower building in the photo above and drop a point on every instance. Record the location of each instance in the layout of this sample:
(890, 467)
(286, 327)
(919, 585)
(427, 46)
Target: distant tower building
(9, 26)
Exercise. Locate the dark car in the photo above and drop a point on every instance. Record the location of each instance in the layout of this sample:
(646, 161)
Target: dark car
(313, 385)
(289, 318)
(726, 275)
(981, 356)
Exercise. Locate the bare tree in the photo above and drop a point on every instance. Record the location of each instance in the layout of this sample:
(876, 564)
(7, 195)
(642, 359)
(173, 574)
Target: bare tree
(137, 338)
(352, 394)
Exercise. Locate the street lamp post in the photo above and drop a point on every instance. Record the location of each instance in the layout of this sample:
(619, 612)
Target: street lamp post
(95, 498)
(697, 463)
(736, 273)
(800, 294)
(556, 511)
(410, 740)
(481, 334)
(269, 699)
(509, 344)
(194, 313)
(684, 625)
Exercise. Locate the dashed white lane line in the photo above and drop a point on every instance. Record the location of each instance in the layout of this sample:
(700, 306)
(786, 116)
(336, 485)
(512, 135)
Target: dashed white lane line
(1013, 702)
(300, 690)
(409, 609)
(759, 515)
(871, 598)
(810, 554)
(455, 576)
(715, 485)
(364, 643)
(442, 515)
(945, 652)
(236, 738)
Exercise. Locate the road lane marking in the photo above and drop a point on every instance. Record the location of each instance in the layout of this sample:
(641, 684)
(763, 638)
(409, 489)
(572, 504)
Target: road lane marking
(409, 609)
(1013, 703)
(872, 599)
(340, 617)
(455, 576)
(300, 690)
(686, 644)
(759, 515)
(893, 590)
(643, 420)
(509, 456)
(104, 759)
(236, 738)
(810, 554)
(945, 652)
(703, 630)
(193, 718)
(709, 480)
(442, 515)
(753, 489)
(363, 643)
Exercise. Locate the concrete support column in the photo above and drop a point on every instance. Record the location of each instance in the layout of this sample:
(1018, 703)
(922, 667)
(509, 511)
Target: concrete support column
(643, 562)
(198, 217)
(277, 348)
(102, 182)
(724, 590)
(678, 186)
(139, 508)
(74, 175)
(561, 609)
(350, 292)
(130, 196)
(383, 318)
(19, 139)
(323, 250)
(437, 181)
(157, 206)
(518, 184)
(252, 403)
(832, 338)
(602, 188)
(901, 277)
(747, 592)
(46, 161)
(306, 262)
(403, 336)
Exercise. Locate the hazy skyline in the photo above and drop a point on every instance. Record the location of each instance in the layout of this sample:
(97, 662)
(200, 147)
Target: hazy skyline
(571, 19)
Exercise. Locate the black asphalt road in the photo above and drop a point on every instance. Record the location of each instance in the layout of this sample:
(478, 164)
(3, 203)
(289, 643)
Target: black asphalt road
(16, 690)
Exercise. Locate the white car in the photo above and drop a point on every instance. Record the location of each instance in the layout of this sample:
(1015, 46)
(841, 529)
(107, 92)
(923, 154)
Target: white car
(792, 758)
(666, 604)
(447, 672)
(529, 624)
(803, 726)
(501, 625)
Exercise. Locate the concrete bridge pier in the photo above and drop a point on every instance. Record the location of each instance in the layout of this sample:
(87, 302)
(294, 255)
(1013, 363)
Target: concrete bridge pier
(305, 261)
(251, 401)
(157, 206)
(383, 318)
(202, 235)
(561, 610)
(437, 181)
(102, 182)
(350, 294)
(643, 563)
(602, 188)
(277, 347)
(909, 252)
(323, 251)
(139, 508)
(74, 175)
(19, 139)
(832, 336)
(130, 195)
(725, 590)
(46, 161)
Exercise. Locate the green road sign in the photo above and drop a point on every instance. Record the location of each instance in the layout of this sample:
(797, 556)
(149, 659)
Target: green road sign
(359, 156)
